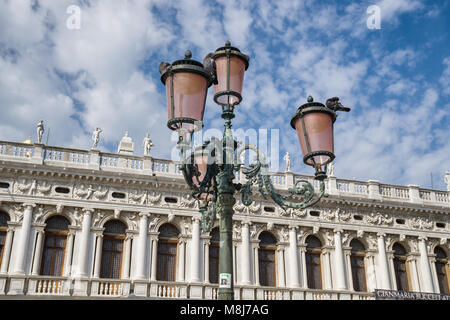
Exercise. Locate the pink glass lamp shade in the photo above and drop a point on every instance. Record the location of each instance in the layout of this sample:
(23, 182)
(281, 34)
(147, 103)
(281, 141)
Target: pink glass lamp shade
(202, 159)
(230, 68)
(186, 84)
(314, 125)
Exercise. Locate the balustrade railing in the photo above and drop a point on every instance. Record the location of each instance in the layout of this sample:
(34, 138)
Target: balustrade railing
(11, 151)
(17, 150)
(47, 286)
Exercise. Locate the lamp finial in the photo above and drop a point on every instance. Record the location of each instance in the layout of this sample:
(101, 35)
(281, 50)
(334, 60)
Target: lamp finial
(188, 54)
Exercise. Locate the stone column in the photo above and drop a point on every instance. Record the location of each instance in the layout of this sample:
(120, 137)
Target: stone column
(235, 274)
(303, 265)
(246, 273)
(256, 257)
(181, 259)
(347, 255)
(38, 252)
(383, 263)
(7, 251)
(281, 272)
(68, 256)
(293, 258)
(24, 238)
(434, 273)
(327, 279)
(206, 246)
(98, 255)
(414, 276)
(142, 246)
(154, 257)
(83, 252)
(371, 272)
(340, 264)
(195, 250)
(425, 266)
(126, 258)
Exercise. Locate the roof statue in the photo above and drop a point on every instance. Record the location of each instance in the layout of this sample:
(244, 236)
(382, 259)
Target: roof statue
(147, 144)
(126, 145)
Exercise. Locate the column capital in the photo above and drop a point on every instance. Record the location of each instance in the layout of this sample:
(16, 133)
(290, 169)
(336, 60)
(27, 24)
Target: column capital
(338, 231)
(423, 238)
(87, 211)
(245, 223)
(29, 205)
(11, 229)
(144, 214)
(40, 230)
(293, 227)
(381, 234)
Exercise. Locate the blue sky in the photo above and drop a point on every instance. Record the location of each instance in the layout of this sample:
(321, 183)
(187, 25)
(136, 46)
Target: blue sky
(396, 79)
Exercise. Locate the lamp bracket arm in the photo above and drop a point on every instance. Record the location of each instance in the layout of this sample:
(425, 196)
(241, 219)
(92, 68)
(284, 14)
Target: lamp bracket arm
(208, 217)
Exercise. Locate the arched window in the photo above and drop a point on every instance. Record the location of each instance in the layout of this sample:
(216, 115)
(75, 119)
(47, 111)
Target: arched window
(442, 270)
(401, 272)
(167, 252)
(266, 256)
(214, 256)
(56, 230)
(357, 255)
(4, 218)
(112, 249)
(313, 269)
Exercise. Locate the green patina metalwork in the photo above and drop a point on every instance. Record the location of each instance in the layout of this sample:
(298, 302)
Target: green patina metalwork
(216, 190)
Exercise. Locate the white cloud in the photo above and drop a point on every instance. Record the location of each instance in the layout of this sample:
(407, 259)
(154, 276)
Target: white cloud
(445, 77)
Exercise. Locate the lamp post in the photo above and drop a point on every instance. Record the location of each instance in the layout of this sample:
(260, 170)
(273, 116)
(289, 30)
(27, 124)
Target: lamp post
(209, 169)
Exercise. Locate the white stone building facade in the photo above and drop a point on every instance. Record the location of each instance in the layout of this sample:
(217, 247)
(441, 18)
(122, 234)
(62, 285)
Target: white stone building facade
(89, 189)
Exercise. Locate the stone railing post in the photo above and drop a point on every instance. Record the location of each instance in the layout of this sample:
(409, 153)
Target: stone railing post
(94, 159)
(374, 190)
(414, 194)
(332, 186)
(147, 165)
(38, 156)
(289, 176)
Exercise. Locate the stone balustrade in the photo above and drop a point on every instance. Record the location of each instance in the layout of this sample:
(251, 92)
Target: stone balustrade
(145, 165)
(116, 288)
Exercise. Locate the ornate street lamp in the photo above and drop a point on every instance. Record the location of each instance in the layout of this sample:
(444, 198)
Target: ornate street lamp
(209, 169)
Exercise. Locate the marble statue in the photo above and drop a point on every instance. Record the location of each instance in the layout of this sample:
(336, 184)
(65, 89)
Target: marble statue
(287, 158)
(96, 137)
(147, 144)
(40, 130)
(447, 180)
(331, 169)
